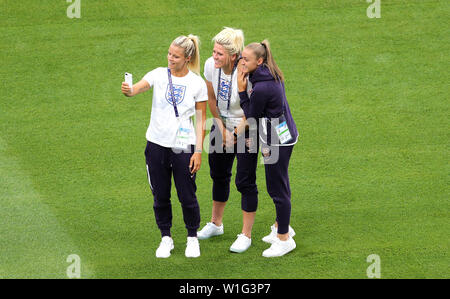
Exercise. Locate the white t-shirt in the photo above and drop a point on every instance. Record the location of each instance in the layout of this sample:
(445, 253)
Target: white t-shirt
(212, 75)
(187, 90)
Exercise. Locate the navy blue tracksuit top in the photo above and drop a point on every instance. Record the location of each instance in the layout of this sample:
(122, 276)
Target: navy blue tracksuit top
(267, 99)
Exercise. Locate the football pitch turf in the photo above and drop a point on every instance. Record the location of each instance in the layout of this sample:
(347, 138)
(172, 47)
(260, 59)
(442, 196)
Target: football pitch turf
(369, 175)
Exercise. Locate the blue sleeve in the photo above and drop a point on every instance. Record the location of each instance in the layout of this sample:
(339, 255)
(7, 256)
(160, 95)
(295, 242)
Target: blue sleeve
(253, 107)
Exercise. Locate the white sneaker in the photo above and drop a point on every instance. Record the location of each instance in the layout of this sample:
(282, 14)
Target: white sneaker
(192, 247)
(241, 244)
(280, 248)
(165, 247)
(273, 236)
(210, 230)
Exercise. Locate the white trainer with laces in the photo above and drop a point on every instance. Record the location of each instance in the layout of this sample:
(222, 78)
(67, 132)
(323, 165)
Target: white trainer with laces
(280, 248)
(241, 244)
(192, 247)
(210, 230)
(273, 236)
(165, 247)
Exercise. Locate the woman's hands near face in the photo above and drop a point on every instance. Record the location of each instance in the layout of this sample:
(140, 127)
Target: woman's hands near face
(242, 78)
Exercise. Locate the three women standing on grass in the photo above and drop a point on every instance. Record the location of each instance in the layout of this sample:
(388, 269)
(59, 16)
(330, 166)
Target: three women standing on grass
(252, 89)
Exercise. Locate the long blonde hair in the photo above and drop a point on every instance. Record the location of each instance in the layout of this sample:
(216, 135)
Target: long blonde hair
(191, 46)
(262, 50)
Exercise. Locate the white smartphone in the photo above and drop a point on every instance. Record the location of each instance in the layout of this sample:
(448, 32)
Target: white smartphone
(129, 79)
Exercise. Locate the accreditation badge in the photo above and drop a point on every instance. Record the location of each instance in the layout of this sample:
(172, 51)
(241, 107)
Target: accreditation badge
(183, 134)
(283, 131)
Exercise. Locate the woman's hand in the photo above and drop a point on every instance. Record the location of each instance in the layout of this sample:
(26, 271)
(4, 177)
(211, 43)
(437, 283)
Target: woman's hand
(228, 138)
(126, 89)
(242, 79)
(196, 161)
(131, 91)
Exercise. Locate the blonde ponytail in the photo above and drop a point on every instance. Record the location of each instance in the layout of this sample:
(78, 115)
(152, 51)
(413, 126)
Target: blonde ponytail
(194, 63)
(191, 46)
(262, 50)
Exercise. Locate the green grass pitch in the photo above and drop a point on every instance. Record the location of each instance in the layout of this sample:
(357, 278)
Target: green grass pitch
(370, 174)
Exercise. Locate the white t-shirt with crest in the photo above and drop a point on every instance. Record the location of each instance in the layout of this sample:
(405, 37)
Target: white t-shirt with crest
(211, 74)
(188, 90)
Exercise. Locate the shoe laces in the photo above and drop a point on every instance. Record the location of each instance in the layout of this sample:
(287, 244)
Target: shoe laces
(166, 242)
(192, 241)
(276, 246)
(242, 236)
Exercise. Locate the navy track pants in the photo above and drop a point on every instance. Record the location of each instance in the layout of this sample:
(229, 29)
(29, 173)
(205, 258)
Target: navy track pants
(162, 163)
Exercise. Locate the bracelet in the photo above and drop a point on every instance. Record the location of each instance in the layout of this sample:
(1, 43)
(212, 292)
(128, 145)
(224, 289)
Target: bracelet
(198, 151)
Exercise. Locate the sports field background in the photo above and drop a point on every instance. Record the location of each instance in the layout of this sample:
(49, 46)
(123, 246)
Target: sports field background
(370, 174)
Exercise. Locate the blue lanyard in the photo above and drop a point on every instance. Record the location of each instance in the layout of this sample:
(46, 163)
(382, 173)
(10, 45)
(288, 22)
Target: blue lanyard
(171, 92)
(228, 97)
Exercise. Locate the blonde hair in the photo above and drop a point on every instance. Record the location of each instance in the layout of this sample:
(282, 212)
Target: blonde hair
(262, 50)
(231, 39)
(191, 46)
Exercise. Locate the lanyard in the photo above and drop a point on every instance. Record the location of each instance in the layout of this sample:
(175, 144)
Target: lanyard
(228, 97)
(172, 93)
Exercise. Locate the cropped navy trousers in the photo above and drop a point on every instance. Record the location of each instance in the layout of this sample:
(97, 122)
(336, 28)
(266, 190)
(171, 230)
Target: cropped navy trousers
(221, 164)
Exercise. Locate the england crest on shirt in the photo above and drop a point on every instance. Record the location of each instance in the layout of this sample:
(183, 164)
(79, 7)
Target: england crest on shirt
(178, 93)
(224, 89)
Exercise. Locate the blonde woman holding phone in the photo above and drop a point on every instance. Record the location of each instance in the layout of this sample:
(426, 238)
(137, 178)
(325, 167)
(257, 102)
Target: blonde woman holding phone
(174, 145)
